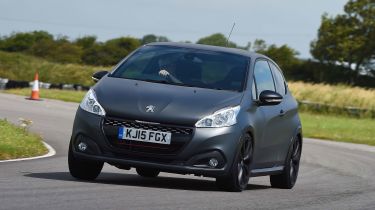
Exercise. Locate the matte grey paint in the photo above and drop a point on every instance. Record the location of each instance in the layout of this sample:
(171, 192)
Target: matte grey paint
(272, 127)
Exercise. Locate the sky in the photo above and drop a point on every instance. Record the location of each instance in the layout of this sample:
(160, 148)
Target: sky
(291, 22)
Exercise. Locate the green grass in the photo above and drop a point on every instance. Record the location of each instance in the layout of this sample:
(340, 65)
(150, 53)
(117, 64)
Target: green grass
(339, 128)
(16, 142)
(63, 95)
(18, 66)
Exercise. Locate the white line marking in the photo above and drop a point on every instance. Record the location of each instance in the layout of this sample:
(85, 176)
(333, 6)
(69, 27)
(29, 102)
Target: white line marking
(51, 152)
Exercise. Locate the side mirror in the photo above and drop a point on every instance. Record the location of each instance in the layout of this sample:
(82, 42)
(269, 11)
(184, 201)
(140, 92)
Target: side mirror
(98, 75)
(269, 98)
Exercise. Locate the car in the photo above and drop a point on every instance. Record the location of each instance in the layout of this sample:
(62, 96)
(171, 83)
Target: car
(190, 109)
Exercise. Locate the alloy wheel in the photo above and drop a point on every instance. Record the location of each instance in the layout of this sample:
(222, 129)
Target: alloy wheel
(294, 161)
(243, 165)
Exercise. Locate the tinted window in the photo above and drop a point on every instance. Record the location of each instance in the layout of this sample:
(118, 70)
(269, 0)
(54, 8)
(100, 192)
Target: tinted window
(279, 79)
(186, 67)
(263, 77)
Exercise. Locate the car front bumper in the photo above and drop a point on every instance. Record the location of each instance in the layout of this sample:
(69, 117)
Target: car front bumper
(192, 158)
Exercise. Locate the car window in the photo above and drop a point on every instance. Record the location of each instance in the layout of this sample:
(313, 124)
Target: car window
(186, 67)
(263, 77)
(279, 79)
(137, 65)
(229, 76)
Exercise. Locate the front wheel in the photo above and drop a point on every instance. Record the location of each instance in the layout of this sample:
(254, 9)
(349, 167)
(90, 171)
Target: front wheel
(288, 178)
(83, 169)
(239, 175)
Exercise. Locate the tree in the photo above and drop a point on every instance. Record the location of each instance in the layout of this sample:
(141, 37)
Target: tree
(284, 56)
(66, 52)
(110, 52)
(89, 47)
(148, 39)
(43, 48)
(259, 45)
(163, 39)
(348, 39)
(86, 42)
(153, 38)
(217, 39)
(60, 50)
(18, 42)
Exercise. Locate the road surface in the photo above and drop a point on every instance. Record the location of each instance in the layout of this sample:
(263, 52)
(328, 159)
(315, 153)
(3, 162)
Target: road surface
(332, 176)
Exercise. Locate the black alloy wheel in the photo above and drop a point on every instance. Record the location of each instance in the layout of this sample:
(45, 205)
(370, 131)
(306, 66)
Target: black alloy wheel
(239, 176)
(288, 178)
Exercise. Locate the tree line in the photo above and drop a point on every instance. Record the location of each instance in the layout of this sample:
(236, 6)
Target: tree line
(343, 52)
(88, 50)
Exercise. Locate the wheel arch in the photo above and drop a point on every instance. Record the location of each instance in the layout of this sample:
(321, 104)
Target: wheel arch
(250, 130)
(297, 133)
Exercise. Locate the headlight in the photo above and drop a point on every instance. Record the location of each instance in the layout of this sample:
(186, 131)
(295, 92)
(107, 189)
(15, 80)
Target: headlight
(222, 118)
(91, 104)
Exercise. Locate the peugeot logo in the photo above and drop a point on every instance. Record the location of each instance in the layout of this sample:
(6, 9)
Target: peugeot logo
(150, 108)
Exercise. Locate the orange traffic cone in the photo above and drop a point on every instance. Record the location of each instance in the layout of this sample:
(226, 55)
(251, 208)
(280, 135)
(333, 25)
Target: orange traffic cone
(35, 89)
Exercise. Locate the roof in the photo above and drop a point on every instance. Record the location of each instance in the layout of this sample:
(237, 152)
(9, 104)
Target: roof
(208, 47)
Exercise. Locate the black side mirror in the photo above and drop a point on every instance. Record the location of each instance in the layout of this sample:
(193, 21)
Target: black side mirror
(98, 75)
(269, 98)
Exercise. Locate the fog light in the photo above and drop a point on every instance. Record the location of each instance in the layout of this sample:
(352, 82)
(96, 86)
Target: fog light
(213, 162)
(82, 146)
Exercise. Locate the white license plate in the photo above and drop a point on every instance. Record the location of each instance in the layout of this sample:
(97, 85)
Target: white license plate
(150, 136)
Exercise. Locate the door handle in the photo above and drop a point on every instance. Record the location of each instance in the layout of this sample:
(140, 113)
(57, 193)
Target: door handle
(282, 113)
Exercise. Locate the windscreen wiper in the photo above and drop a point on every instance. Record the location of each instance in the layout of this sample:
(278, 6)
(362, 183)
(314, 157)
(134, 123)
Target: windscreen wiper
(156, 81)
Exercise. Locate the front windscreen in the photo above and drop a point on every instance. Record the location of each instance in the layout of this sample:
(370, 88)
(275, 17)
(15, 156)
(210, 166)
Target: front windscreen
(186, 67)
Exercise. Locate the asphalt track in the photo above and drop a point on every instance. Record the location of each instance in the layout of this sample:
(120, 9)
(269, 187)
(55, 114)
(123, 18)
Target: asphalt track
(332, 176)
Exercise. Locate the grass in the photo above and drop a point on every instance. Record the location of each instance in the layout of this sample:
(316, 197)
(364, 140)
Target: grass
(63, 95)
(338, 128)
(17, 142)
(18, 66)
(334, 95)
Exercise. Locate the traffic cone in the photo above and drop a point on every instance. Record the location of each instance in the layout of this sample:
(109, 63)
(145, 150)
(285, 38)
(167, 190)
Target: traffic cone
(35, 89)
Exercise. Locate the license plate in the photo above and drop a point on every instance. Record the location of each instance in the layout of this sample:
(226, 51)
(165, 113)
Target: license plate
(150, 136)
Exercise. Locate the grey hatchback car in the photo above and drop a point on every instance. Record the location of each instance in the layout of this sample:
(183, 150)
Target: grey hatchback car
(190, 109)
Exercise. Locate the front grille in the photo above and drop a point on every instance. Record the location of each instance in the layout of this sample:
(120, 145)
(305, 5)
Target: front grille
(180, 137)
(148, 126)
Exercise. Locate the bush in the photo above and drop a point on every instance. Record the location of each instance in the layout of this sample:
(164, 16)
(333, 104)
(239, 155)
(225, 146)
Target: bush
(18, 42)
(83, 50)
(110, 52)
(17, 66)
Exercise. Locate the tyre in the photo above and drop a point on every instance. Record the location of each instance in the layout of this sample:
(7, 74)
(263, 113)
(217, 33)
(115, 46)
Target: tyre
(288, 178)
(83, 169)
(239, 175)
(147, 172)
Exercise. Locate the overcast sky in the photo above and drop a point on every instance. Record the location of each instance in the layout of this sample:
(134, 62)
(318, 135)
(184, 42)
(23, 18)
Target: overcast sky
(292, 22)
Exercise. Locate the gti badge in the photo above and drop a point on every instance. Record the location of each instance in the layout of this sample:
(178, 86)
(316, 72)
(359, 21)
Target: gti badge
(150, 108)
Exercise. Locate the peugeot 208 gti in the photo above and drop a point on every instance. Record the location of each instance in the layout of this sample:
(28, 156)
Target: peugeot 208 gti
(190, 109)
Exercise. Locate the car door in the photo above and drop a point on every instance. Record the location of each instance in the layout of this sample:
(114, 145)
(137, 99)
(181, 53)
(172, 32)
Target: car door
(268, 126)
(285, 130)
